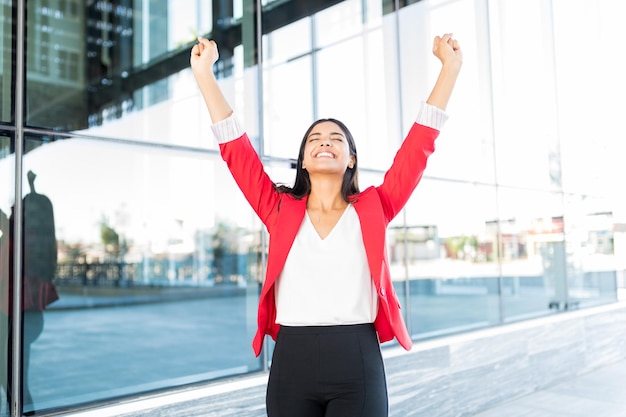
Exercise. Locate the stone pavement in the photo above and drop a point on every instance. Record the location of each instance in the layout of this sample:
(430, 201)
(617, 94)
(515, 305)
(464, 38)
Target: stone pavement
(599, 393)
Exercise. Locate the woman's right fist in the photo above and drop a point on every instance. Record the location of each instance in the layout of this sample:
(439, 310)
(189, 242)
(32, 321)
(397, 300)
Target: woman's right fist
(203, 55)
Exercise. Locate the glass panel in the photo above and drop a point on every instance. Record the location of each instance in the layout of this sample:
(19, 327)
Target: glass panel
(619, 240)
(338, 22)
(181, 120)
(465, 148)
(452, 264)
(287, 88)
(122, 70)
(158, 263)
(532, 252)
(373, 12)
(185, 21)
(356, 97)
(6, 61)
(522, 51)
(7, 193)
(282, 172)
(591, 96)
(593, 264)
(278, 46)
(288, 108)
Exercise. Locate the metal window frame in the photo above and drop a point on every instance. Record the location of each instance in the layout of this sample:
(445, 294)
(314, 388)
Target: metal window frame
(16, 322)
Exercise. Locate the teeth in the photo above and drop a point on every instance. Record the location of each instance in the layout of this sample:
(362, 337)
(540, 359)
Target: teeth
(325, 154)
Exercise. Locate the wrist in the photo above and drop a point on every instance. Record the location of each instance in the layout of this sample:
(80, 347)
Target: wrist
(452, 66)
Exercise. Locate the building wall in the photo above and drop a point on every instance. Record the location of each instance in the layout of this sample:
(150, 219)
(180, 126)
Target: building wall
(159, 257)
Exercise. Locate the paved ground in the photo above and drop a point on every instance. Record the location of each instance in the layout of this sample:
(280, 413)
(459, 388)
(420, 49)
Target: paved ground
(601, 393)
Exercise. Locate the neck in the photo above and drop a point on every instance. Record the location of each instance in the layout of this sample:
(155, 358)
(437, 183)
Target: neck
(326, 196)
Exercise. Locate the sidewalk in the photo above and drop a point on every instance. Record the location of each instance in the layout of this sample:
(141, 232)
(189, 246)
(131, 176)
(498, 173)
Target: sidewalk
(600, 393)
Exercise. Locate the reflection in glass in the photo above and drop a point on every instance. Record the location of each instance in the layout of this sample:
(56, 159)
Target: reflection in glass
(7, 192)
(465, 148)
(7, 66)
(278, 45)
(592, 250)
(358, 98)
(288, 108)
(585, 142)
(39, 265)
(339, 22)
(522, 141)
(532, 252)
(451, 253)
(92, 63)
(152, 269)
(38, 273)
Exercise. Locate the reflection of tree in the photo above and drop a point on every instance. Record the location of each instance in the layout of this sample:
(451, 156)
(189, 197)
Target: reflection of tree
(114, 247)
(224, 245)
(461, 247)
(74, 252)
(234, 253)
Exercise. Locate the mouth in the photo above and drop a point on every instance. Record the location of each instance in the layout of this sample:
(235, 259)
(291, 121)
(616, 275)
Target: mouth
(325, 154)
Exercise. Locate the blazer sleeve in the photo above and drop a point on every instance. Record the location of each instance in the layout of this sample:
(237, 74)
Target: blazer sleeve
(409, 164)
(247, 169)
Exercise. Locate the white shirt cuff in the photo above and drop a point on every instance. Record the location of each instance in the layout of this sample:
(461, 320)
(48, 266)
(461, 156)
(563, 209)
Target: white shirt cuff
(227, 130)
(431, 116)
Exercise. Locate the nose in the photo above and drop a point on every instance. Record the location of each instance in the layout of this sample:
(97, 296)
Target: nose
(326, 142)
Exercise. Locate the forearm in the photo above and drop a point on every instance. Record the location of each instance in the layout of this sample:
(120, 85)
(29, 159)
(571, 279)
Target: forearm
(216, 103)
(441, 92)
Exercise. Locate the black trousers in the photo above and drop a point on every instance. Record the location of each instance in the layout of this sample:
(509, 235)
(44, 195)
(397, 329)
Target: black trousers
(327, 371)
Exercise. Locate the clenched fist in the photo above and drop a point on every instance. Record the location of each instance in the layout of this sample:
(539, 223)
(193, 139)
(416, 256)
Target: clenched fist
(203, 55)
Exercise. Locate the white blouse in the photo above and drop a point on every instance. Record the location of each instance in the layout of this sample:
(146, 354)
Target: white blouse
(327, 281)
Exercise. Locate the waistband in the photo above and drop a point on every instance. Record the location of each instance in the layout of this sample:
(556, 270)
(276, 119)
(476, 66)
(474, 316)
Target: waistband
(342, 328)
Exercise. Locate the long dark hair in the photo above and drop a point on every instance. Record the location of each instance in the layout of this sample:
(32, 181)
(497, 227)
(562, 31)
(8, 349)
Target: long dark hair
(302, 184)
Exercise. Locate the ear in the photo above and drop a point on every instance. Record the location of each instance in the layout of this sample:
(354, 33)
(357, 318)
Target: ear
(351, 163)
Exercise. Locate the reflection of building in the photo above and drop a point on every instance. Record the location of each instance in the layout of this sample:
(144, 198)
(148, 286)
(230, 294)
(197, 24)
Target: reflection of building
(511, 239)
(225, 255)
(413, 242)
(111, 55)
(57, 63)
(80, 55)
(602, 229)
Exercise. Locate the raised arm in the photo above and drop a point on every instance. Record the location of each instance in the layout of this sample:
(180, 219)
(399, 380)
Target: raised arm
(410, 160)
(235, 147)
(449, 53)
(204, 54)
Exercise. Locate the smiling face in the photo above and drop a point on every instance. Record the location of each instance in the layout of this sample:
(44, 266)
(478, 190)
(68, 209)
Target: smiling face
(327, 150)
(327, 146)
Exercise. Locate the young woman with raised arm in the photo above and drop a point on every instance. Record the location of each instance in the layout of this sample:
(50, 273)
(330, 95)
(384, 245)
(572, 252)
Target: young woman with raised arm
(327, 298)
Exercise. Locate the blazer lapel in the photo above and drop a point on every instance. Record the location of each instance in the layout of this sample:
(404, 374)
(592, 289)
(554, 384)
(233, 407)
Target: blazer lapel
(373, 230)
(290, 218)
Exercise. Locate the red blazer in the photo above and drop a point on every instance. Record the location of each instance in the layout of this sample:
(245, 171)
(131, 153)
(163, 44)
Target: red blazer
(376, 207)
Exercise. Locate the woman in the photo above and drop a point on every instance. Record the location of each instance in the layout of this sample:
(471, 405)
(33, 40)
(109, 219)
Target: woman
(327, 298)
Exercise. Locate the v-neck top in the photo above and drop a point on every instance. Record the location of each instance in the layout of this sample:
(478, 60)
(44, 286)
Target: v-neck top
(327, 281)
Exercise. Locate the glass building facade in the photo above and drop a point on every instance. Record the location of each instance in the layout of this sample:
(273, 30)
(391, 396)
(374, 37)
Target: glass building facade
(131, 263)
